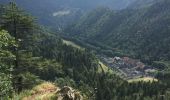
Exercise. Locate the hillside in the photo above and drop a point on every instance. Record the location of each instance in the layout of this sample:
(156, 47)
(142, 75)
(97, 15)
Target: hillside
(49, 91)
(31, 54)
(57, 14)
(45, 10)
(36, 63)
(141, 33)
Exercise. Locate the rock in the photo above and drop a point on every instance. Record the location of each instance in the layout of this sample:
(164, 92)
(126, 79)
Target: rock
(67, 93)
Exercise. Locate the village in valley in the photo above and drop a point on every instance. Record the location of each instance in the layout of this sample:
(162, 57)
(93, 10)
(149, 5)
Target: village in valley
(128, 68)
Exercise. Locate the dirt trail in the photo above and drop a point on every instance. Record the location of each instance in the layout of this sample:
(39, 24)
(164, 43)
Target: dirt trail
(42, 93)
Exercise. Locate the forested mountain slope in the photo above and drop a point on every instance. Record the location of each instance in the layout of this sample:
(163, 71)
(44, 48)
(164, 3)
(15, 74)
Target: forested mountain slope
(31, 55)
(142, 33)
(60, 13)
(57, 14)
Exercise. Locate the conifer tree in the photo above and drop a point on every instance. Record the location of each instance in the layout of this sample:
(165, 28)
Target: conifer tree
(20, 25)
(6, 62)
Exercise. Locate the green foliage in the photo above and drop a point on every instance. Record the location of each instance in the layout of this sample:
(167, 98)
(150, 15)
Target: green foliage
(18, 23)
(29, 80)
(48, 58)
(20, 26)
(61, 82)
(139, 33)
(6, 67)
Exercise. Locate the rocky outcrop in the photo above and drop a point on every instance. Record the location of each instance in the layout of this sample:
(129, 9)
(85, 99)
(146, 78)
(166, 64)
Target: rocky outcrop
(49, 91)
(67, 93)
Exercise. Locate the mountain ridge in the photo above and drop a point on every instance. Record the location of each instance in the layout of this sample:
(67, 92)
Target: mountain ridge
(128, 30)
(44, 10)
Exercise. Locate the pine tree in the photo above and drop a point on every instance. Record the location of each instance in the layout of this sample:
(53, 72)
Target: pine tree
(20, 25)
(6, 62)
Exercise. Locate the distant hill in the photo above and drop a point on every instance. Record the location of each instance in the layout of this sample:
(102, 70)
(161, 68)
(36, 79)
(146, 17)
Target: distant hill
(142, 3)
(141, 33)
(45, 10)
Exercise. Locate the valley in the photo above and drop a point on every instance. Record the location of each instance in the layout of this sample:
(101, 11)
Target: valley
(125, 67)
(84, 50)
(129, 68)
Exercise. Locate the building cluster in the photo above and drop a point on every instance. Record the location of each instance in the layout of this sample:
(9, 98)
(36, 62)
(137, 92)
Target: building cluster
(129, 68)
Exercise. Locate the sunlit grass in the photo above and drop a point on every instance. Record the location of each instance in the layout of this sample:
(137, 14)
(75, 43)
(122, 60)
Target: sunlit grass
(103, 67)
(72, 44)
(44, 91)
(23, 94)
(44, 87)
(144, 79)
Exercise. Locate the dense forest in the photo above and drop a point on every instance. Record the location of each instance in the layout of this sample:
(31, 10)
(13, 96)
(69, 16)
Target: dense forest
(140, 33)
(31, 54)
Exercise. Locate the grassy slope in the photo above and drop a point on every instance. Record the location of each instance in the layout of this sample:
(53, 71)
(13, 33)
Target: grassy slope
(72, 44)
(145, 79)
(44, 91)
(104, 68)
